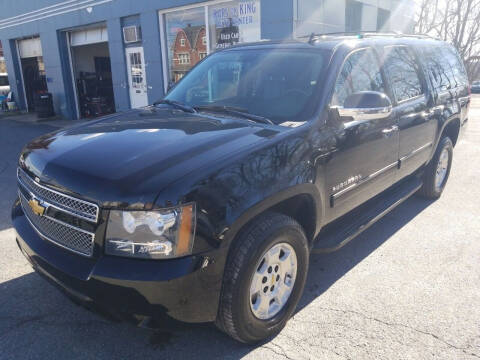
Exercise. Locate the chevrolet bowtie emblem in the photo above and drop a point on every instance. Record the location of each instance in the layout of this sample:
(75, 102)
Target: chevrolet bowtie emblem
(37, 208)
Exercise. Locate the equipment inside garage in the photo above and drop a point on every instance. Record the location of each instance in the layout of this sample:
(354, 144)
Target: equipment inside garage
(33, 70)
(92, 72)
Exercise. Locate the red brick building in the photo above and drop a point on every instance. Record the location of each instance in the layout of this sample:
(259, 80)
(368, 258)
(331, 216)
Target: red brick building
(189, 47)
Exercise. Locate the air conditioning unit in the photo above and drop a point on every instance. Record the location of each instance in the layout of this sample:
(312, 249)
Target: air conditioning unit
(132, 34)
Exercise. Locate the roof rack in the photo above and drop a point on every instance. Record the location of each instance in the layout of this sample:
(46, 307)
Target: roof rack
(362, 34)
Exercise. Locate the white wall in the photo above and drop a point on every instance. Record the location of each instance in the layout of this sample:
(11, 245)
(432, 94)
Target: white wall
(319, 16)
(369, 17)
(323, 16)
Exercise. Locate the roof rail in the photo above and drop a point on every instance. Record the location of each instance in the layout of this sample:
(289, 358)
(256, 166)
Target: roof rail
(362, 34)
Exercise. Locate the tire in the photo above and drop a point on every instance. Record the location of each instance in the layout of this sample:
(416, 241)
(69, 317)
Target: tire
(270, 231)
(431, 189)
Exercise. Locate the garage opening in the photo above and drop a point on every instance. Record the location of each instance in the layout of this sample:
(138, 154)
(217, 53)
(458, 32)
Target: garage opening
(92, 73)
(33, 70)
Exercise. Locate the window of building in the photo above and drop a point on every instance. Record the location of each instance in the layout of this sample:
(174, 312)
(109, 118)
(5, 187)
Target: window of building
(3, 65)
(353, 15)
(3, 80)
(184, 59)
(224, 24)
(383, 17)
(361, 72)
(233, 22)
(402, 69)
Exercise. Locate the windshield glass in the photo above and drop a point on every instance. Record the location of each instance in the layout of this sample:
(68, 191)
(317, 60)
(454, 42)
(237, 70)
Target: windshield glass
(3, 80)
(281, 85)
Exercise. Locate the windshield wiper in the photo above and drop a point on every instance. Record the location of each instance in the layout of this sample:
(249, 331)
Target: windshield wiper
(176, 104)
(234, 111)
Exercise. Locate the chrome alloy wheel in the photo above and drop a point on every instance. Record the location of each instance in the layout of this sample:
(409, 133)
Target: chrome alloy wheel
(273, 281)
(442, 168)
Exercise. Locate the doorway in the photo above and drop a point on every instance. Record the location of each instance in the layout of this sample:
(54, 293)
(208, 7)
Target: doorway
(92, 72)
(137, 82)
(34, 79)
(32, 70)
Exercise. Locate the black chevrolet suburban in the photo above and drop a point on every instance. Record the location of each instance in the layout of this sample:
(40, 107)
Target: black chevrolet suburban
(205, 206)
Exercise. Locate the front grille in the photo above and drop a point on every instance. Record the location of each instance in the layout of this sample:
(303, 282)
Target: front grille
(65, 235)
(60, 233)
(74, 206)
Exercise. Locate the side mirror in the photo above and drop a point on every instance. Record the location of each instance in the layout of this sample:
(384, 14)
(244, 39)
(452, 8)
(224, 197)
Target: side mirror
(365, 106)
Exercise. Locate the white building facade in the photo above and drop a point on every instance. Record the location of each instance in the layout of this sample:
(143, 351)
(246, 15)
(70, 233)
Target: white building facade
(327, 16)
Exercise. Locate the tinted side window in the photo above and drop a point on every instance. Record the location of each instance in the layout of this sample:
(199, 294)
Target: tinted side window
(402, 70)
(439, 68)
(360, 72)
(457, 66)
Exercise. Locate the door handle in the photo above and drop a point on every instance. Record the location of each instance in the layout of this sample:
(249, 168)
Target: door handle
(437, 110)
(389, 131)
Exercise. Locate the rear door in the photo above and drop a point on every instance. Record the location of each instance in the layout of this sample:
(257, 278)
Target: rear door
(366, 155)
(412, 108)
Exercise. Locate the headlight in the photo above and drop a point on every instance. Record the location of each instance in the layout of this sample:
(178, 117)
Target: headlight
(151, 234)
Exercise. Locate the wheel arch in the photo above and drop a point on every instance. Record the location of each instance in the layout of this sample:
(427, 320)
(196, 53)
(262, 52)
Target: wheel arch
(452, 129)
(302, 202)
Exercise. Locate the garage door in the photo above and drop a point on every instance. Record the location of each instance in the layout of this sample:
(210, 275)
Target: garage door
(28, 48)
(88, 36)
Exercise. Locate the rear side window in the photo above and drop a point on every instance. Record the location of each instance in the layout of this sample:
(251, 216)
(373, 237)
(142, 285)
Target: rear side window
(403, 72)
(444, 67)
(360, 72)
(457, 66)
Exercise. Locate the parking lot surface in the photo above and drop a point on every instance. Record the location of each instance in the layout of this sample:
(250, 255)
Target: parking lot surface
(407, 288)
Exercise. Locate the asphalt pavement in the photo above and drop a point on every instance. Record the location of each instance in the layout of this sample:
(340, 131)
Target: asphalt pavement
(407, 288)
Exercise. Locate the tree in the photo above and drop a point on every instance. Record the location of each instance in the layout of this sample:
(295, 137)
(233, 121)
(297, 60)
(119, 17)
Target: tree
(455, 21)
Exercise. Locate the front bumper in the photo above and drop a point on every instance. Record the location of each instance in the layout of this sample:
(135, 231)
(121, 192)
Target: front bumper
(182, 289)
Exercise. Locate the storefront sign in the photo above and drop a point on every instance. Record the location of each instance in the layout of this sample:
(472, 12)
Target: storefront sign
(235, 22)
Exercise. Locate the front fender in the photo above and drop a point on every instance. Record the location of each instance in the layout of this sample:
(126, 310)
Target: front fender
(231, 191)
(244, 217)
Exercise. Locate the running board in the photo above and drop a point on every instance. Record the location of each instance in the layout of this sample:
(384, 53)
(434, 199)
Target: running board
(342, 231)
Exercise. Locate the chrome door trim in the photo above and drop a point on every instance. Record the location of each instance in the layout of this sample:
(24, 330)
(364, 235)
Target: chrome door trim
(362, 181)
(362, 115)
(414, 152)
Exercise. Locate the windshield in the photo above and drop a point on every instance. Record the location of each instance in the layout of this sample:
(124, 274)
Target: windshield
(280, 85)
(3, 80)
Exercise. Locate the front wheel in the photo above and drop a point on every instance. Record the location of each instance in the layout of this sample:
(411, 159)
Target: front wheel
(437, 171)
(264, 278)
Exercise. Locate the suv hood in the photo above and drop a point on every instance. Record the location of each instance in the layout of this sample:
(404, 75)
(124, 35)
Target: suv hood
(125, 160)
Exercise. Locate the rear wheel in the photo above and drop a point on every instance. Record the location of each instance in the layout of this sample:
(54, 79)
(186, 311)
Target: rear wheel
(437, 171)
(264, 278)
